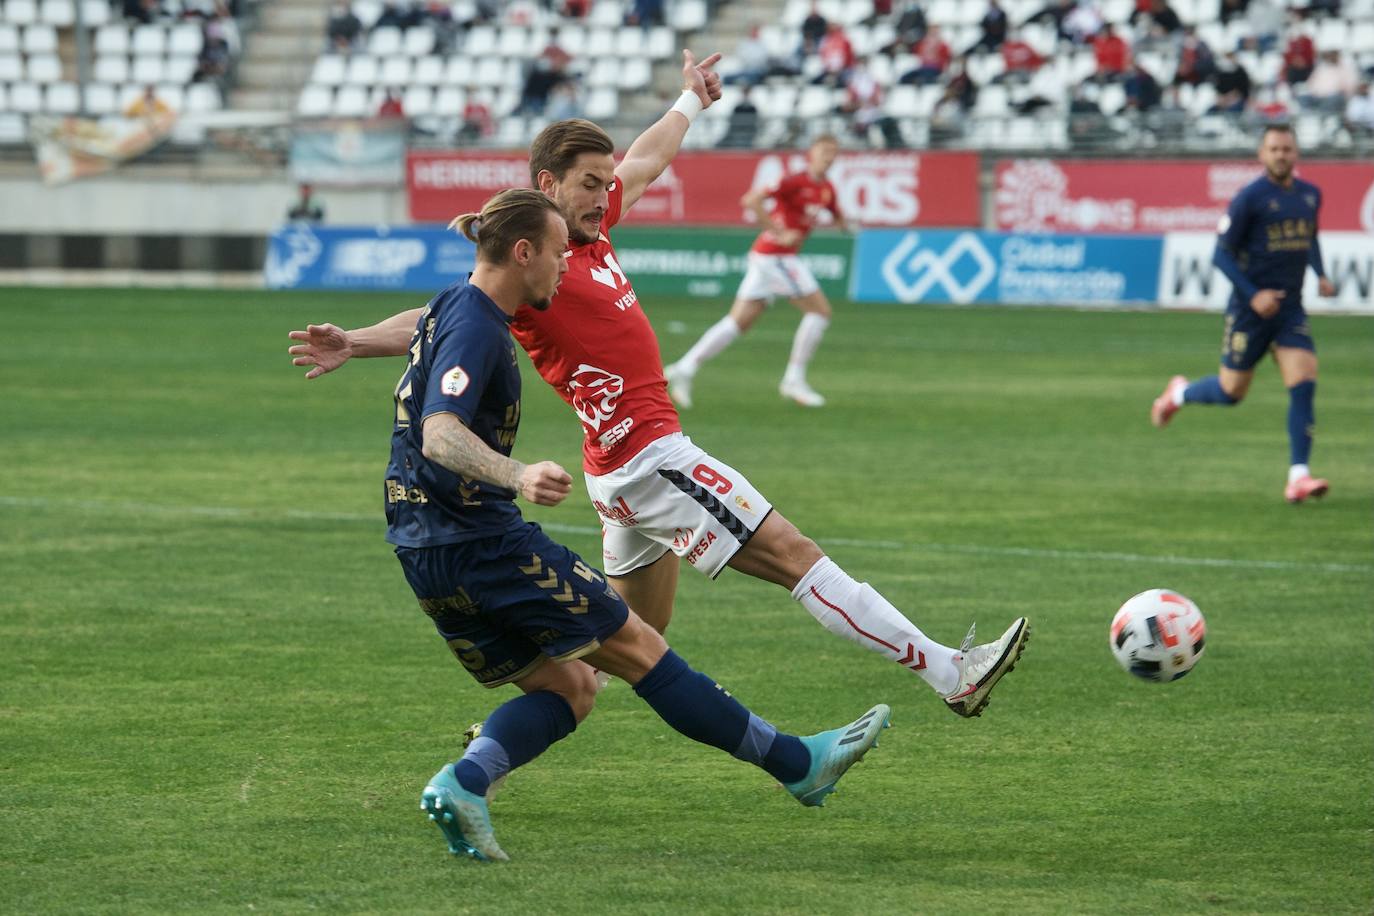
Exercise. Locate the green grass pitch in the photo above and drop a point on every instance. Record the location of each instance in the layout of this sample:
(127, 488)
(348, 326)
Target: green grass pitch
(218, 696)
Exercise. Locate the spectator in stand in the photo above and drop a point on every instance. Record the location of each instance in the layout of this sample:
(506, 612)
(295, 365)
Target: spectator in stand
(751, 60)
(1268, 107)
(222, 27)
(1232, 82)
(1233, 9)
(143, 11)
(1359, 111)
(994, 26)
(576, 9)
(911, 28)
(1055, 12)
(932, 59)
(438, 14)
(863, 102)
(477, 120)
(547, 71)
(343, 28)
(646, 14)
(837, 56)
(306, 208)
(1112, 53)
(1299, 57)
(1142, 90)
(950, 113)
(1265, 21)
(563, 102)
(148, 106)
(391, 17)
(1334, 81)
(743, 127)
(1088, 126)
(391, 106)
(814, 28)
(1083, 23)
(1195, 61)
(1019, 59)
(1163, 17)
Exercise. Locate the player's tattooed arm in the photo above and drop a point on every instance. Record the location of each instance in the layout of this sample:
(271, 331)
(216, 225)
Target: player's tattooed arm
(448, 442)
(326, 347)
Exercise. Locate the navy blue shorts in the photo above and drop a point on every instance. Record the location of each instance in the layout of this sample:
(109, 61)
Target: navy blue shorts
(1248, 336)
(503, 602)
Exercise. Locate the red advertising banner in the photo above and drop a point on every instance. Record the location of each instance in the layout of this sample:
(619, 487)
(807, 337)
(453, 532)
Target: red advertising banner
(698, 188)
(1127, 196)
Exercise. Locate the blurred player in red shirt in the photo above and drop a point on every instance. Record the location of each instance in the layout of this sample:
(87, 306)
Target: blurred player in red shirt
(661, 498)
(775, 269)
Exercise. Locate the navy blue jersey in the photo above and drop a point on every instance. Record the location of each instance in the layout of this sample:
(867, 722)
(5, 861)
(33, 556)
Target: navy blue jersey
(1271, 233)
(462, 361)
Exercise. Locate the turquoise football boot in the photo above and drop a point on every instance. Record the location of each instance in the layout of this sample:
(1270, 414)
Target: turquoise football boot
(835, 751)
(462, 816)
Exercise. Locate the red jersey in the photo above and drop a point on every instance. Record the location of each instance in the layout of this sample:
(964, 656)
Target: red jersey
(595, 346)
(796, 201)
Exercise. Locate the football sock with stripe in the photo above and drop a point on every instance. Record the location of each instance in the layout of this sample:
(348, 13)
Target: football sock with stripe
(1301, 419)
(804, 344)
(857, 612)
(514, 734)
(699, 708)
(1207, 391)
(717, 337)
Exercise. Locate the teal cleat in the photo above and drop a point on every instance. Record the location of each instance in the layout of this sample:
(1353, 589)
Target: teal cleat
(835, 751)
(462, 816)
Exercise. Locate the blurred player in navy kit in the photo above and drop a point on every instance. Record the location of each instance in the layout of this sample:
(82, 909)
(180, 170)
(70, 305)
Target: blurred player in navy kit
(514, 606)
(1266, 241)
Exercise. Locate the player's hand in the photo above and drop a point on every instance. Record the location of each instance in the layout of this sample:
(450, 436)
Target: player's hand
(700, 78)
(544, 483)
(325, 347)
(1266, 302)
(787, 237)
(1325, 287)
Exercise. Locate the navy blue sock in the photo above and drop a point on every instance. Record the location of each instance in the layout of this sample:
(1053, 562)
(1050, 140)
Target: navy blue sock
(700, 708)
(514, 734)
(1207, 391)
(1301, 419)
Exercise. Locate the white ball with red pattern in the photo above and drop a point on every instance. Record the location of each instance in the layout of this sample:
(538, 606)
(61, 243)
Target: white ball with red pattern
(1158, 635)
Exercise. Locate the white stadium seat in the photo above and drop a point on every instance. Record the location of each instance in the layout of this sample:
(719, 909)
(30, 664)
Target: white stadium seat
(26, 98)
(384, 41)
(9, 38)
(12, 129)
(44, 68)
(600, 43)
(113, 70)
(687, 15)
(351, 102)
(185, 38)
(362, 71)
(100, 99)
(148, 39)
(603, 73)
(58, 13)
(329, 70)
(449, 101)
(815, 102)
(180, 69)
(367, 11)
(419, 41)
(94, 13)
(21, 12)
(630, 43)
(11, 68)
(315, 102)
(573, 39)
(513, 41)
(661, 44)
(147, 70)
(203, 97)
(607, 14)
(418, 101)
(40, 39)
(429, 71)
(395, 71)
(112, 39)
(602, 104)
(635, 74)
(4, 99)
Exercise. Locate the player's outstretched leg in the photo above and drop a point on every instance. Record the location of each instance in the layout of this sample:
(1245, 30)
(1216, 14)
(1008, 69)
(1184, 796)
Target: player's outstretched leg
(835, 751)
(981, 667)
(679, 378)
(794, 385)
(1168, 402)
(1301, 418)
(462, 816)
(680, 374)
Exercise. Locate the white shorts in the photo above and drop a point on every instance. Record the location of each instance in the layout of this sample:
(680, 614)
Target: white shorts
(772, 275)
(674, 496)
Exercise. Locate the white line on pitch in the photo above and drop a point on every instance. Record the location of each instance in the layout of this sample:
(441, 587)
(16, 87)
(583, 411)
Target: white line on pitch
(1038, 553)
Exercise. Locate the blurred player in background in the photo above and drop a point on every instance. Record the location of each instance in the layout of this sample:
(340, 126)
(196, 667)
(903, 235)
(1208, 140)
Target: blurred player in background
(1266, 241)
(776, 270)
(661, 498)
(506, 598)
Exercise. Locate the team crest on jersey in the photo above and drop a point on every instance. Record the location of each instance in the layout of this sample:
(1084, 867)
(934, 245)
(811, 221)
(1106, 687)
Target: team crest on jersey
(454, 382)
(1223, 224)
(1311, 200)
(594, 394)
(744, 504)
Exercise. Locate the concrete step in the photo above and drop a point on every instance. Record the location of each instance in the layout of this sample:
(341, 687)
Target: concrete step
(283, 44)
(278, 99)
(277, 75)
(290, 18)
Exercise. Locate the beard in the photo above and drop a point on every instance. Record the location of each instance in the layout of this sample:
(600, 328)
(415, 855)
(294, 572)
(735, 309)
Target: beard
(541, 305)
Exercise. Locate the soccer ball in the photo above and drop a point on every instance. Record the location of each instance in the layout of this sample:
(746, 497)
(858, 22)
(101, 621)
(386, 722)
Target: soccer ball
(1158, 635)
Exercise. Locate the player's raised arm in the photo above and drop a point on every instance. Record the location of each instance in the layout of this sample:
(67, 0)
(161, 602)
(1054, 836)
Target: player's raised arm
(326, 347)
(652, 150)
(450, 443)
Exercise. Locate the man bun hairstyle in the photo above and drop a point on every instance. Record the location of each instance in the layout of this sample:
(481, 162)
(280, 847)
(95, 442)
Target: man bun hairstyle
(508, 217)
(558, 146)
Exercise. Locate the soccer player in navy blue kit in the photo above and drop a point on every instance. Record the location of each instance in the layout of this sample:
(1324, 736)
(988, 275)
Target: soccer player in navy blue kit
(1266, 241)
(514, 606)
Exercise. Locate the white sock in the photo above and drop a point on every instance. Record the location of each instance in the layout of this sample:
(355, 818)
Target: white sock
(858, 613)
(717, 337)
(1178, 395)
(1298, 472)
(804, 344)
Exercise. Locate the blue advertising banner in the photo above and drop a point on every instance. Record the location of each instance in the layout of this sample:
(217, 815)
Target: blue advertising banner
(942, 266)
(424, 258)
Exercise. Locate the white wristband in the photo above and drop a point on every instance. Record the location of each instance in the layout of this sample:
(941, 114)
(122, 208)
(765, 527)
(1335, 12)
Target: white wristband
(688, 105)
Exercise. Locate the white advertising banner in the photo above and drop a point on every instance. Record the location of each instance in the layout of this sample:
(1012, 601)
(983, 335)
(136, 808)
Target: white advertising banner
(1187, 279)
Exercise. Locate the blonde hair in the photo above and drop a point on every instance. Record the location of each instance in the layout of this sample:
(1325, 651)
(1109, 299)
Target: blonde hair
(558, 146)
(508, 217)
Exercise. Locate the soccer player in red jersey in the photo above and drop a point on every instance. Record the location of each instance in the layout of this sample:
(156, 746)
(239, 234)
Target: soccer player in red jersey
(662, 499)
(776, 270)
